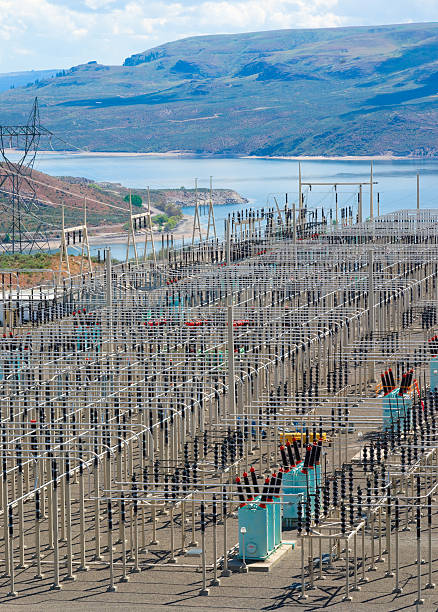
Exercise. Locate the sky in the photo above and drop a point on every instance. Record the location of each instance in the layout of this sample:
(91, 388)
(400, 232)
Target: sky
(40, 34)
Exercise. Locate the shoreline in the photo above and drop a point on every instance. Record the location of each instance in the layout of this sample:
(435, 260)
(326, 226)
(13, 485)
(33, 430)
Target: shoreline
(182, 231)
(187, 154)
(334, 158)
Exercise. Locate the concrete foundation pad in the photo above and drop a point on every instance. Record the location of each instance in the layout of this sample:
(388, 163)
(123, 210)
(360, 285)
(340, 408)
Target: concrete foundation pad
(265, 566)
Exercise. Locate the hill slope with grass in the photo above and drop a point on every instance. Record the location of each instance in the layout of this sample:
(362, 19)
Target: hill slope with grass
(337, 91)
(107, 204)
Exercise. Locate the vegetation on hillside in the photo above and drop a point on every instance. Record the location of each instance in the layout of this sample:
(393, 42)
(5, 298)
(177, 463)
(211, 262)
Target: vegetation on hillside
(334, 91)
(166, 223)
(20, 261)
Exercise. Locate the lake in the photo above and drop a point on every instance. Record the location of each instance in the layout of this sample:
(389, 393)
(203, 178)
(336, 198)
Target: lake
(259, 180)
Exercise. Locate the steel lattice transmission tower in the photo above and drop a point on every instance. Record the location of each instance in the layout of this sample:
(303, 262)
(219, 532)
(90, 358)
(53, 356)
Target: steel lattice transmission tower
(19, 208)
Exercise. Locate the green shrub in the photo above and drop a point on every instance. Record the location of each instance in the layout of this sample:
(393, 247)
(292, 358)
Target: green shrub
(135, 199)
(160, 220)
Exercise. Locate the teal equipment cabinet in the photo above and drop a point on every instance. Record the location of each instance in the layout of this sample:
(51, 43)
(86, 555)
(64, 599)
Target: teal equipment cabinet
(258, 541)
(300, 481)
(261, 518)
(396, 407)
(434, 374)
(294, 491)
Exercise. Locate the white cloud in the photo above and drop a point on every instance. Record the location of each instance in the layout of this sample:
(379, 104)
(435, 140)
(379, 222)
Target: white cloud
(256, 14)
(98, 4)
(61, 33)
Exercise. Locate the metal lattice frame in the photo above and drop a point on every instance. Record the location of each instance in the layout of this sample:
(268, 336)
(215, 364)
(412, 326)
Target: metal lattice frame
(18, 202)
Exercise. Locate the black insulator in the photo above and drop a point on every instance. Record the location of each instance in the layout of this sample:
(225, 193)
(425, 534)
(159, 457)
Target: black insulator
(254, 481)
(317, 507)
(343, 492)
(299, 517)
(283, 457)
(318, 452)
(240, 490)
(376, 482)
(385, 448)
(326, 498)
(202, 517)
(307, 457)
(122, 508)
(265, 492)
(290, 454)
(378, 451)
(359, 503)
(216, 456)
(313, 454)
(365, 458)
(296, 451)
(335, 494)
(10, 522)
(110, 515)
(368, 492)
(351, 504)
(247, 486)
(371, 457)
(343, 518)
(308, 516)
(278, 482)
(272, 485)
(195, 473)
(214, 510)
(37, 505)
(350, 479)
(409, 456)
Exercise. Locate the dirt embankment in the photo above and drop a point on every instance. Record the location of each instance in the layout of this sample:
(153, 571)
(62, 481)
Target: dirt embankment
(51, 200)
(42, 269)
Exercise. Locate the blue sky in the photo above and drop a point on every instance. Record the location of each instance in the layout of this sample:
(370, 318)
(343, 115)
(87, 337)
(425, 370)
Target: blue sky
(37, 34)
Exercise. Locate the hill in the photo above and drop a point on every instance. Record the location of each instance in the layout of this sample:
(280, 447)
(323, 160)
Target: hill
(336, 91)
(107, 209)
(10, 80)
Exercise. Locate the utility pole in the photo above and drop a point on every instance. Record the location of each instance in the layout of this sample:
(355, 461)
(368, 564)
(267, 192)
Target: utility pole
(211, 219)
(196, 218)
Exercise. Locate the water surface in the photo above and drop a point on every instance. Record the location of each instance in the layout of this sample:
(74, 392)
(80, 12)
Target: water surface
(259, 180)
